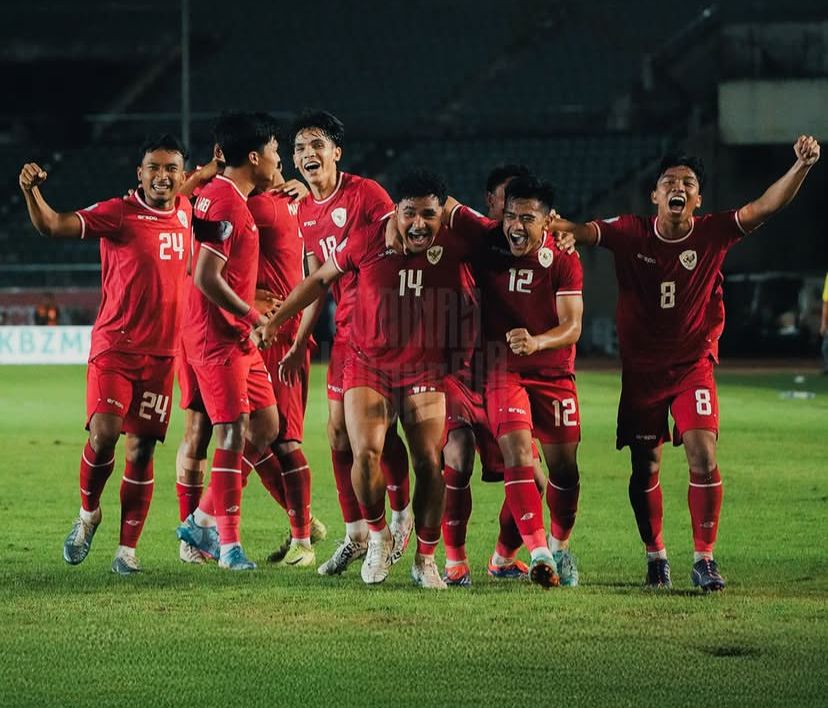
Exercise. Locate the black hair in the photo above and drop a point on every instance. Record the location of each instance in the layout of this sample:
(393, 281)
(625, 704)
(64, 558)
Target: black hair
(531, 187)
(421, 183)
(501, 173)
(677, 159)
(238, 134)
(330, 126)
(166, 141)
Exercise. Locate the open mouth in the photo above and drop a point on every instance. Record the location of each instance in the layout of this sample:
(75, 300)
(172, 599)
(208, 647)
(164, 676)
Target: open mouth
(312, 166)
(161, 186)
(419, 239)
(518, 239)
(676, 203)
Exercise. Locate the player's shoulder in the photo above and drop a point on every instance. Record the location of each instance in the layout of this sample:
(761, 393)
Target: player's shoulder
(716, 219)
(115, 205)
(363, 187)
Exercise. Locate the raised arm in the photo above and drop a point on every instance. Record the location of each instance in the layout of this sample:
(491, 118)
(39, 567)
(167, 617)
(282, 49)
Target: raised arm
(584, 234)
(781, 192)
(45, 219)
(568, 331)
(309, 290)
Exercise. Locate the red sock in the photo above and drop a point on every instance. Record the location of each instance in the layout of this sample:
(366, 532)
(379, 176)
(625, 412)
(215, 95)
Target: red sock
(508, 540)
(374, 514)
(394, 464)
(525, 503)
(226, 486)
(704, 496)
(205, 504)
(427, 539)
(457, 513)
(188, 497)
(646, 501)
(343, 460)
(94, 471)
(136, 493)
(563, 506)
(297, 484)
(268, 468)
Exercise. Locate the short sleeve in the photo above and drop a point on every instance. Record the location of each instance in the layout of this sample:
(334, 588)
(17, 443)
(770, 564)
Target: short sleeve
(102, 220)
(233, 212)
(263, 209)
(375, 201)
(614, 233)
(726, 227)
(571, 275)
(348, 255)
(469, 224)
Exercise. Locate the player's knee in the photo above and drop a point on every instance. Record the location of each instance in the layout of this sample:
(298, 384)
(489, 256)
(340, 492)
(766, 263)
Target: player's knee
(702, 464)
(103, 437)
(140, 451)
(230, 436)
(197, 436)
(427, 465)
(338, 436)
(565, 474)
(459, 452)
(367, 459)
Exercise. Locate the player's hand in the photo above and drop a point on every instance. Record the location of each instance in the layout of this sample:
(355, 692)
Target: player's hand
(294, 188)
(31, 176)
(521, 342)
(806, 149)
(267, 335)
(292, 363)
(565, 241)
(256, 337)
(266, 302)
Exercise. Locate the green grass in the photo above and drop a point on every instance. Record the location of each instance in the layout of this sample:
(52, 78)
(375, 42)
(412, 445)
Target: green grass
(180, 635)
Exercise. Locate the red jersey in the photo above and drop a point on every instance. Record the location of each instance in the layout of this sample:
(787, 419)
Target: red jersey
(406, 311)
(325, 224)
(281, 249)
(209, 332)
(670, 309)
(143, 261)
(521, 292)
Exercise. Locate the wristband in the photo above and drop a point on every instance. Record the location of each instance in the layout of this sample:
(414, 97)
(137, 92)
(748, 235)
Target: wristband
(252, 317)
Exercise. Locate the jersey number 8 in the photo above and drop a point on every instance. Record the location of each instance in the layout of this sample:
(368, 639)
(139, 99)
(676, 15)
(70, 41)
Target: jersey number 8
(668, 294)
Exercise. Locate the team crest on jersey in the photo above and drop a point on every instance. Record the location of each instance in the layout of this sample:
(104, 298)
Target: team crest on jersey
(434, 254)
(182, 217)
(545, 257)
(339, 216)
(688, 259)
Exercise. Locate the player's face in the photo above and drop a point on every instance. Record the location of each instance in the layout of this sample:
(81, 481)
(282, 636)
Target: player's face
(677, 193)
(496, 200)
(524, 223)
(265, 164)
(419, 220)
(161, 175)
(315, 155)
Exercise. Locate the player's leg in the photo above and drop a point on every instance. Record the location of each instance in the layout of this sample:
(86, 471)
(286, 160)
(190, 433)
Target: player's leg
(458, 464)
(696, 413)
(423, 416)
(394, 463)
(642, 425)
(190, 461)
(510, 413)
(96, 465)
(562, 492)
(137, 486)
(368, 414)
(108, 398)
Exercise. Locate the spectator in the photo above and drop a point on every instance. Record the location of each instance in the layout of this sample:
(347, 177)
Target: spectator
(47, 312)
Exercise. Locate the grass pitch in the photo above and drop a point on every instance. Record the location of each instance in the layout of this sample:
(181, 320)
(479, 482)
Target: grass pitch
(181, 635)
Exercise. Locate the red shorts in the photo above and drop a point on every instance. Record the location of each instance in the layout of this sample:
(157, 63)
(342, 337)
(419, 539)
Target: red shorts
(548, 407)
(188, 384)
(357, 373)
(465, 409)
(340, 350)
(135, 387)
(688, 392)
(239, 384)
(291, 399)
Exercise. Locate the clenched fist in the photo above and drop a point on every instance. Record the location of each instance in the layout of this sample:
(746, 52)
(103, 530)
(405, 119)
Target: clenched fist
(31, 176)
